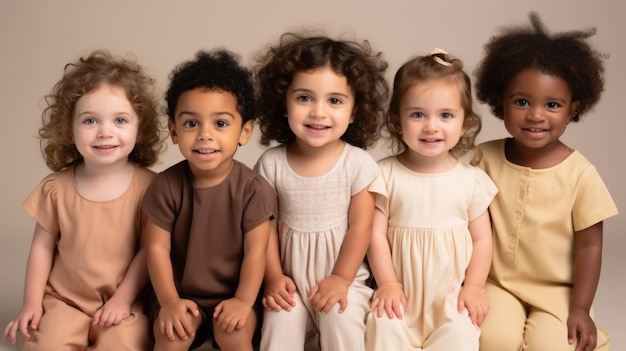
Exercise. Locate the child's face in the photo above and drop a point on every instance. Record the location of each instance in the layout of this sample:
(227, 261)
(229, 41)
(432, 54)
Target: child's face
(319, 107)
(537, 108)
(431, 118)
(208, 129)
(104, 126)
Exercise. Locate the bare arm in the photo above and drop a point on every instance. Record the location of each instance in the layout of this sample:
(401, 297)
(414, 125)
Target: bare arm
(174, 319)
(254, 262)
(37, 273)
(389, 295)
(358, 237)
(334, 289)
(279, 288)
(472, 294)
(233, 313)
(587, 263)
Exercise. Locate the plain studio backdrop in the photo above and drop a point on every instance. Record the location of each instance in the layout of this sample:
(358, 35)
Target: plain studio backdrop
(37, 38)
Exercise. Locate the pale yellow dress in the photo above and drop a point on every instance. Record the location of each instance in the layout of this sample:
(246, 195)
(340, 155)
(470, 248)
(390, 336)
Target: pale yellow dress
(431, 248)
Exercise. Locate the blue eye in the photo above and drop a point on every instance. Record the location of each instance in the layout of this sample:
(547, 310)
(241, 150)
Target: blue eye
(417, 115)
(120, 120)
(89, 121)
(446, 115)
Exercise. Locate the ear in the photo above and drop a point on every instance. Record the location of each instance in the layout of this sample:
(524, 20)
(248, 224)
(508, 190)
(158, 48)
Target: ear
(573, 110)
(246, 132)
(171, 125)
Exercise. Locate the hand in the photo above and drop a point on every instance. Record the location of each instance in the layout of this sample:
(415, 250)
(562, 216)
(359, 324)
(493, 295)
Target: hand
(175, 318)
(328, 292)
(389, 298)
(279, 294)
(113, 312)
(29, 316)
(581, 328)
(474, 299)
(230, 314)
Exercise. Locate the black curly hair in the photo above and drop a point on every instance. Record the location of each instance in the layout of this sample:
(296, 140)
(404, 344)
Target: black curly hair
(565, 55)
(363, 69)
(214, 70)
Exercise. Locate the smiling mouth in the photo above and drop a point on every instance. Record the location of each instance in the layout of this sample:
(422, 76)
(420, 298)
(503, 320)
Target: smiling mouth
(534, 130)
(317, 127)
(105, 147)
(205, 152)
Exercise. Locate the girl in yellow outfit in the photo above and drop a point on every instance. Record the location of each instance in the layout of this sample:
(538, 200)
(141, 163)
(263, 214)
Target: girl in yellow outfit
(85, 268)
(547, 217)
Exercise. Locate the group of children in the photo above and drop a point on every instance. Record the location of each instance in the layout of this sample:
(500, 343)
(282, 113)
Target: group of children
(491, 247)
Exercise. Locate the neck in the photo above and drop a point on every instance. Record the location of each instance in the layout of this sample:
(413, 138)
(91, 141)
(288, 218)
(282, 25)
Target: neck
(429, 165)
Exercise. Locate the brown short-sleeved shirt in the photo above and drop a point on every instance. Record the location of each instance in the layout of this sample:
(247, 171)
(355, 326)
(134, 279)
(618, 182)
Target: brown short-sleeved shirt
(208, 227)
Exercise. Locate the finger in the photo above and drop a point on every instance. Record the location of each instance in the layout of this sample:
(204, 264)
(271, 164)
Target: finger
(313, 292)
(96, 317)
(286, 299)
(181, 329)
(389, 309)
(343, 304)
(169, 331)
(192, 307)
(34, 321)
(268, 303)
(218, 310)
(23, 327)
(397, 310)
(571, 334)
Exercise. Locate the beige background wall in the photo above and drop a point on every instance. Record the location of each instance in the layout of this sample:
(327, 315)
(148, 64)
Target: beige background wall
(37, 38)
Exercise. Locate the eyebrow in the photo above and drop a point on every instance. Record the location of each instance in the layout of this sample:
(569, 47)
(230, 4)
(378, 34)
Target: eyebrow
(305, 90)
(549, 98)
(92, 113)
(213, 114)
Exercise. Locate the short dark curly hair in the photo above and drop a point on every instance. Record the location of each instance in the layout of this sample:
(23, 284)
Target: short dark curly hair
(438, 65)
(83, 76)
(214, 70)
(565, 55)
(363, 69)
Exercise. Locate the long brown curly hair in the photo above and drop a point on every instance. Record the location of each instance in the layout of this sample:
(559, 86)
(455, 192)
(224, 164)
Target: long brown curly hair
(82, 77)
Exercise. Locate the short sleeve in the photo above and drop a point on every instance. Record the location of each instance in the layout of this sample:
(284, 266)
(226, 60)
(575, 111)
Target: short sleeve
(379, 188)
(593, 203)
(42, 204)
(266, 165)
(484, 192)
(158, 203)
(364, 167)
(261, 204)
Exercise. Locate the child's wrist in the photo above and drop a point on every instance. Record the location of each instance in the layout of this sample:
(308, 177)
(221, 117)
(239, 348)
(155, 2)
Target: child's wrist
(340, 279)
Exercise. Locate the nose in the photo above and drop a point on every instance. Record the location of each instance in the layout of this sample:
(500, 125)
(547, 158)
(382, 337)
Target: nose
(204, 133)
(105, 130)
(318, 110)
(535, 114)
(431, 124)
